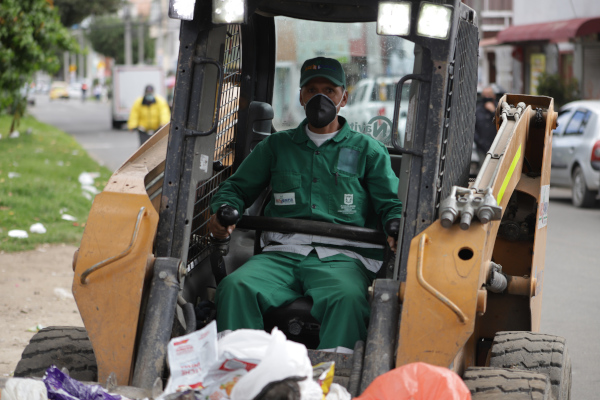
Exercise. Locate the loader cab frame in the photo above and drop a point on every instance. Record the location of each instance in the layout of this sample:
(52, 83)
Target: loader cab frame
(224, 71)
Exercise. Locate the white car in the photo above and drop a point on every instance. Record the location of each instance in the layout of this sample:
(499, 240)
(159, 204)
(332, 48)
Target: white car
(370, 108)
(576, 151)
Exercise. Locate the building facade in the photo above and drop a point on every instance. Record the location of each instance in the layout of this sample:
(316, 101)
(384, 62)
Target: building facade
(554, 37)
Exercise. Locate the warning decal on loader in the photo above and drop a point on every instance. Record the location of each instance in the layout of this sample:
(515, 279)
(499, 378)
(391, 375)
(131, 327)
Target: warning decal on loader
(544, 202)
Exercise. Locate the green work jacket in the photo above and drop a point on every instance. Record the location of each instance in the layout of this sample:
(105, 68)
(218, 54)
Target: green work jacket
(347, 180)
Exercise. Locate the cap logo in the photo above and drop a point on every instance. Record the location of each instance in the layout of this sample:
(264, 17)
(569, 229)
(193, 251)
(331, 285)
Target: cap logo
(316, 67)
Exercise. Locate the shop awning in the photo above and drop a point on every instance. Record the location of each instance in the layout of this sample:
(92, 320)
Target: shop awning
(556, 31)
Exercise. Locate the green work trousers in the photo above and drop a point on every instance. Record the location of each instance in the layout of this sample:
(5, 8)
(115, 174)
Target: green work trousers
(337, 284)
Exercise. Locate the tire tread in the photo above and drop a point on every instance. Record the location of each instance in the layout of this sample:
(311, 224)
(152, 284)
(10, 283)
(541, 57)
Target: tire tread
(503, 383)
(536, 352)
(63, 346)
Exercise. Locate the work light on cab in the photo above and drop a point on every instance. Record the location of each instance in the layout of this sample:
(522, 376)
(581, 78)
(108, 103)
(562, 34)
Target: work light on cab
(393, 18)
(434, 20)
(182, 9)
(228, 12)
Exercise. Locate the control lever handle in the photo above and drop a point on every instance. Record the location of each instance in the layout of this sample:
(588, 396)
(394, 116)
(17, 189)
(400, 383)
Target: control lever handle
(219, 248)
(227, 215)
(392, 227)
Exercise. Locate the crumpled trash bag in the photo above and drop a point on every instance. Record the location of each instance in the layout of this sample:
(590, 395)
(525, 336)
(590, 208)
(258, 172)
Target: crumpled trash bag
(24, 389)
(37, 228)
(63, 387)
(18, 233)
(86, 178)
(417, 381)
(282, 359)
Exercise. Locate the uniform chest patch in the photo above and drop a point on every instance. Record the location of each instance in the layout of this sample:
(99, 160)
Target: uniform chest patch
(348, 160)
(348, 207)
(284, 199)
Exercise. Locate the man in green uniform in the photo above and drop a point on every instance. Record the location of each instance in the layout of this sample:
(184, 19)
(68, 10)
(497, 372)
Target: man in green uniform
(320, 171)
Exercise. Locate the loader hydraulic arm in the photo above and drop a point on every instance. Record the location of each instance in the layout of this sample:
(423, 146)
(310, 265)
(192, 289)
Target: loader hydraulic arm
(446, 298)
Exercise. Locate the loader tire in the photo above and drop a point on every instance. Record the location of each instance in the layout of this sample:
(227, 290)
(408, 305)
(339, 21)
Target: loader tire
(64, 346)
(536, 352)
(506, 384)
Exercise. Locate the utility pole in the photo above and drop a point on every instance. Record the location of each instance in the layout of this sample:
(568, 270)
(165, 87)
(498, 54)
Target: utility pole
(81, 64)
(66, 66)
(140, 33)
(128, 59)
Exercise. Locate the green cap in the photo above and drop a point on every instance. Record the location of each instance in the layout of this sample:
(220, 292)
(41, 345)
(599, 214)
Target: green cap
(323, 67)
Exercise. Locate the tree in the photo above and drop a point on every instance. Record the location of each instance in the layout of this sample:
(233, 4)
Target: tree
(107, 36)
(74, 11)
(30, 37)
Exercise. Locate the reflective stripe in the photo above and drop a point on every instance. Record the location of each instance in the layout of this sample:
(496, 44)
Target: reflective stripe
(301, 244)
(509, 174)
(300, 238)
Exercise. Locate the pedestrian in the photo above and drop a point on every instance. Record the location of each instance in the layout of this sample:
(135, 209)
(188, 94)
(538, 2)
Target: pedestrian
(320, 171)
(97, 91)
(485, 128)
(148, 113)
(84, 88)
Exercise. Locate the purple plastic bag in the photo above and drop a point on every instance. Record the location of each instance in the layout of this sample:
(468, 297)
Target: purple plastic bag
(63, 387)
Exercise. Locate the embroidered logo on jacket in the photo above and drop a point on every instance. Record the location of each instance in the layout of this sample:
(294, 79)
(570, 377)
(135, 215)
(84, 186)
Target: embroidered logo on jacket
(284, 199)
(348, 207)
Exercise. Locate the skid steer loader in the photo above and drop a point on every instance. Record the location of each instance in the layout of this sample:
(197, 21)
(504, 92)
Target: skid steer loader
(464, 289)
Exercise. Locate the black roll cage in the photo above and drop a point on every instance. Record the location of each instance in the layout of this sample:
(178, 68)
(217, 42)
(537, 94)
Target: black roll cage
(429, 124)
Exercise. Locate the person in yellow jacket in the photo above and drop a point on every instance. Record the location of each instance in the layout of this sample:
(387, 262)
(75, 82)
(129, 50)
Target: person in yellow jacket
(148, 113)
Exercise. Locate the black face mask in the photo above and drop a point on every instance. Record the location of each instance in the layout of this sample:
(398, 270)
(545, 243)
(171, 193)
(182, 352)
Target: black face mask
(486, 99)
(148, 99)
(320, 110)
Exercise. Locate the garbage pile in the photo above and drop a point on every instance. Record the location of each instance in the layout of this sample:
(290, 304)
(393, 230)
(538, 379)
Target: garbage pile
(250, 365)
(246, 364)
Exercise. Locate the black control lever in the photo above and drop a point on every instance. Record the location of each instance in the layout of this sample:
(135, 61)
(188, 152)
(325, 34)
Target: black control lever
(227, 215)
(392, 227)
(219, 248)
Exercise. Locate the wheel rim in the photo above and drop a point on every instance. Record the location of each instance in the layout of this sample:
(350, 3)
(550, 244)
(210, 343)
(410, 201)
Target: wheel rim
(578, 187)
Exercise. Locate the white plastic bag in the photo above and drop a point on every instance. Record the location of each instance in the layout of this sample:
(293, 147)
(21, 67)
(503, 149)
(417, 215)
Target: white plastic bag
(238, 353)
(24, 389)
(337, 392)
(282, 359)
(37, 228)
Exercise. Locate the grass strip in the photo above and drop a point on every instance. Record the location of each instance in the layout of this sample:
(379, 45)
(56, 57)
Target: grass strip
(39, 183)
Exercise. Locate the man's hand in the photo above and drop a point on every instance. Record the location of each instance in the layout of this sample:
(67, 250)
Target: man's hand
(218, 230)
(490, 106)
(392, 242)
(392, 227)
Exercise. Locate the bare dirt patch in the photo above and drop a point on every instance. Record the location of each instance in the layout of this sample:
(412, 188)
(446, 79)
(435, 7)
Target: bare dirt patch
(35, 289)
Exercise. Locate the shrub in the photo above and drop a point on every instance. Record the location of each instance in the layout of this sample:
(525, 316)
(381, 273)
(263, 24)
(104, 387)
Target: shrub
(552, 85)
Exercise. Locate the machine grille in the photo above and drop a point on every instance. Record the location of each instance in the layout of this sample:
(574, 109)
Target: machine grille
(224, 148)
(459, 126)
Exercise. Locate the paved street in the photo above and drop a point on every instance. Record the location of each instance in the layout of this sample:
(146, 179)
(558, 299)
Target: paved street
(571, 305)
(90, 123)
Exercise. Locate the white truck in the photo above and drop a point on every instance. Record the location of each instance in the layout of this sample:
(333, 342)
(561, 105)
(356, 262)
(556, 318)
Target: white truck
(129, 82)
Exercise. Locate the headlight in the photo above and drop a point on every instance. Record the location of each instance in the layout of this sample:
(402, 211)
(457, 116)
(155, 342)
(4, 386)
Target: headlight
(182, 9)
(434, 21)
(393, 18)
(228, 12)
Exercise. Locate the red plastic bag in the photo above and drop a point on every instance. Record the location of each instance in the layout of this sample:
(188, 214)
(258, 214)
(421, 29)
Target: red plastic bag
(417, 381)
